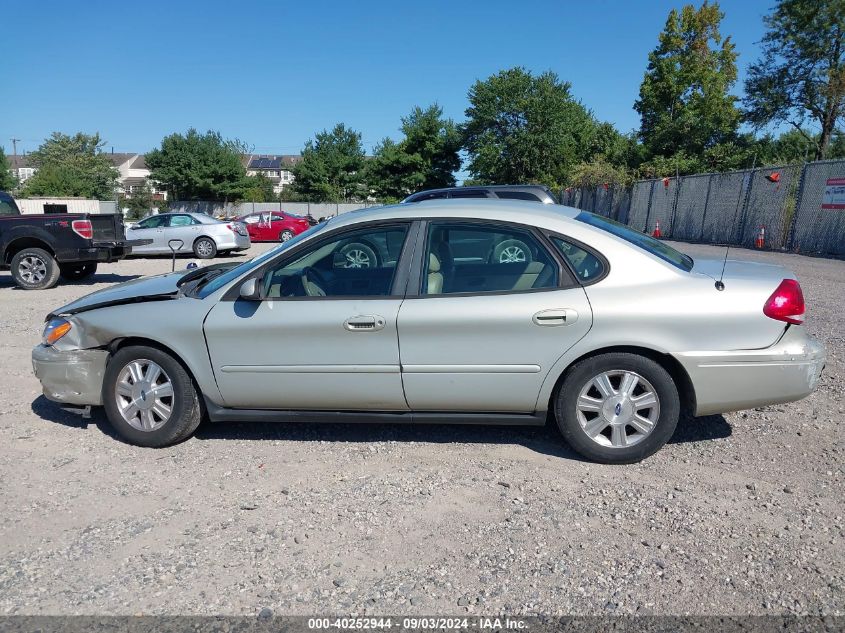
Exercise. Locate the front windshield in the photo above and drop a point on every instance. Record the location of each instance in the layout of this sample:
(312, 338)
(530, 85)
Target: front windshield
(643, 241)
(215, 283)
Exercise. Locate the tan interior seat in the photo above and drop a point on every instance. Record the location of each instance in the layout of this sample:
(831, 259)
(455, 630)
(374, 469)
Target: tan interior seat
(529, 276)
(435, 277)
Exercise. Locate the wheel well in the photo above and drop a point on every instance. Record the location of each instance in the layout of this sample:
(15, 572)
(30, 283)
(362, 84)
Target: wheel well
(686, 391)
(206, 237)
(15, 246)
(120, 343)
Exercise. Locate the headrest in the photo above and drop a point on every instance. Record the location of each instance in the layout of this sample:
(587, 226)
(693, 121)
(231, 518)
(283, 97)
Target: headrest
(433, 263)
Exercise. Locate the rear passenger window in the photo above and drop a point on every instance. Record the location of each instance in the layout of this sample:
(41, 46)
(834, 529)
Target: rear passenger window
(586, 265)
(475, 259)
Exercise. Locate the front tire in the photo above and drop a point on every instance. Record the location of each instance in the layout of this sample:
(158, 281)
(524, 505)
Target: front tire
(617, 408)
(78, 271)
(149, 397)
(35, 269)
(205, 248)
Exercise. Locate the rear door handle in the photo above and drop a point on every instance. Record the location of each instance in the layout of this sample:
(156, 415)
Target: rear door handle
(559, 316)
(364, 323)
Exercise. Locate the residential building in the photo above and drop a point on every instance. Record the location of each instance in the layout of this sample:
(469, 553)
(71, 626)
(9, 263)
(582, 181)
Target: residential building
(21, 168)
(134, 174)
(277, 168)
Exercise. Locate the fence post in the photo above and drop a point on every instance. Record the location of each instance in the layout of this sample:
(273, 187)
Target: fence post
(706, 204)
(610, 205)
(674, 206)
(790, 237)
(648, 207)
(743, 210)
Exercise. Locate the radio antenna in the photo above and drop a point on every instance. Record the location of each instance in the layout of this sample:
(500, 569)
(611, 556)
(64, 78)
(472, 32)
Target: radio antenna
(720, 284)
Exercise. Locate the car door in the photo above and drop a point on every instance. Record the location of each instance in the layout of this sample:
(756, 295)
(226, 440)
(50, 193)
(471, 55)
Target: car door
(181, 231)
(483, 330)
(324, 335)
(151, 228)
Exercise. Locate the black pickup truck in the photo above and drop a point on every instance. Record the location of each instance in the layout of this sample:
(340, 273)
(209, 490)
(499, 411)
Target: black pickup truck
(41, 248)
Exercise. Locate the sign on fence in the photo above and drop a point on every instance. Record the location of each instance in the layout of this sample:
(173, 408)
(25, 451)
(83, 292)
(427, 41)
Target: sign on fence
(834, 194)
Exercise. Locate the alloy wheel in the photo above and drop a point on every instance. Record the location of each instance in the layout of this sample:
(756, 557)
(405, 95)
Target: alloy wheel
(32, 269)
(512, 254)
(144, 395)
(618, 408)
(204, 248)
(357, 258)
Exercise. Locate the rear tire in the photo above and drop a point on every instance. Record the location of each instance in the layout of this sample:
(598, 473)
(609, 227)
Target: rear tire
(511, 251)
(150, 398)
(617, 408)
(35, 269)
(78, 270)
(205, 248)
(285, 235)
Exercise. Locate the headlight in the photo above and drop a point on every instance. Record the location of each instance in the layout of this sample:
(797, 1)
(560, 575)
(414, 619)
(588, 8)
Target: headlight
(54, 330)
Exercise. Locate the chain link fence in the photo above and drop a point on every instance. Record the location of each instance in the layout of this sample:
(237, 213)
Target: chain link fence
(790, 207)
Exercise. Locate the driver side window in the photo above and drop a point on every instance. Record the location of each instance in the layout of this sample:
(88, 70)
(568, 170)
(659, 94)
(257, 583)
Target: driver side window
(358, 263)
(152, 222)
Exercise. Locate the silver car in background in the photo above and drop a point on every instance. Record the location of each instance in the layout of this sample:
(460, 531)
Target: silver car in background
(195, 233)
(486, 312)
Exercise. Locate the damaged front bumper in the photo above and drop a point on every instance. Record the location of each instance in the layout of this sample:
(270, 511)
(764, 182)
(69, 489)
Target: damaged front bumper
(71, 376)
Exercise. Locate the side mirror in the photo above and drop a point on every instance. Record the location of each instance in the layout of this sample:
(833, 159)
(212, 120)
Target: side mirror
(132, 227)
(251, 290)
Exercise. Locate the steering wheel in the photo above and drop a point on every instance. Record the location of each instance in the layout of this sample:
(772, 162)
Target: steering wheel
(313, 282)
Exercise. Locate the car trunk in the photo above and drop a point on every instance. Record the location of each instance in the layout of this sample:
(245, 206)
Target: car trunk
(108, 227)
(747, 287)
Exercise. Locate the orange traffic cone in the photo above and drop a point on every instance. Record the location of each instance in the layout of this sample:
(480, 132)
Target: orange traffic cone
(760, 242)
(657, 232)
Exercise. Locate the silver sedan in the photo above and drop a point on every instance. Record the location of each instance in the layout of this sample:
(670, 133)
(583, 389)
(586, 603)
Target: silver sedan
(486, 312)
(195, 233)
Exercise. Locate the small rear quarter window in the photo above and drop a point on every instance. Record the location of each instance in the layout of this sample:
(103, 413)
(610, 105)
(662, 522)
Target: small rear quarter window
(587, 266)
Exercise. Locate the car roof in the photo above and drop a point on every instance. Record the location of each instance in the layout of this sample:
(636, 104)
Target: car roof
(519, 211)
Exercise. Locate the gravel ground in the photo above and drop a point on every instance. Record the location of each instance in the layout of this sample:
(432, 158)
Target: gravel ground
(739, 514)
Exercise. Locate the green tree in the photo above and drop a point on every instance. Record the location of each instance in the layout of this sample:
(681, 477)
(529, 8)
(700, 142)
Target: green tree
(800, 77)
(685, 103)
(72, 166)
(436, 141)
(198, 166)
(259, 188)
(599, 172)
(393, 173)
(141, 203)
(426, 158)
(331, 168)
(525, 129)
(7, 180)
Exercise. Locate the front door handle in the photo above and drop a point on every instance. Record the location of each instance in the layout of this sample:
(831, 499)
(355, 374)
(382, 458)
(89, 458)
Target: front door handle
(364, 323)
(559, 316)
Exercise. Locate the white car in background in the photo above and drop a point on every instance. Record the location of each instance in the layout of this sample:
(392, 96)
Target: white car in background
(195, 233)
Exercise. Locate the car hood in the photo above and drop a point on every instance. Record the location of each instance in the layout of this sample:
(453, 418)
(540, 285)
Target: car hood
(157, 288)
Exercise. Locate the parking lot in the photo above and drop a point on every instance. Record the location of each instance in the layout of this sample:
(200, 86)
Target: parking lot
(738, 514)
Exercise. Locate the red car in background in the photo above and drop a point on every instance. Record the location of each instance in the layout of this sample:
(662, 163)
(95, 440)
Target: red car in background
(273, 226)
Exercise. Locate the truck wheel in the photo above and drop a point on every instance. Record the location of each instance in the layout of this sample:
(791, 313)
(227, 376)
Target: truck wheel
(35, 269)
(78, 270)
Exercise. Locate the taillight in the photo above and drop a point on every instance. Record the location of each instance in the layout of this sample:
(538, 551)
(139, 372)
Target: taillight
(83, 228)
(786, 303)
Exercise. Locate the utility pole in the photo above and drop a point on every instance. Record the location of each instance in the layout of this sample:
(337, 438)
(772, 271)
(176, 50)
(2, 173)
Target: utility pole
(14, 146)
